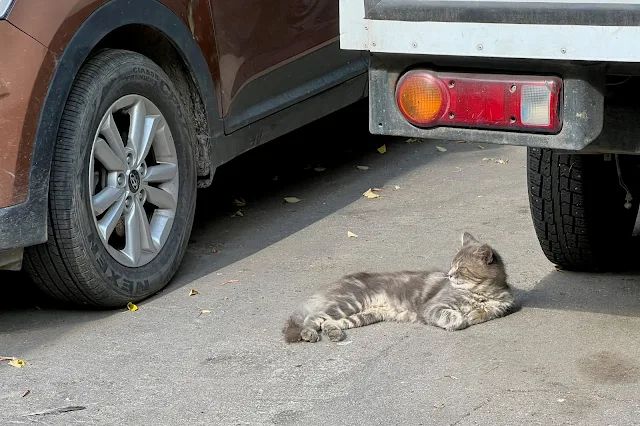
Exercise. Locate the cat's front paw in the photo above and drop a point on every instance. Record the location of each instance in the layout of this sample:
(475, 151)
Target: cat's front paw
(450, 320)
(455, 326)
(309, 335)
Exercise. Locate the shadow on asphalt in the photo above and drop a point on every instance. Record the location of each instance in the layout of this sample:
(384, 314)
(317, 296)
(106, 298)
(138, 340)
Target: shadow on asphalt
(605, 293)
(338, 143)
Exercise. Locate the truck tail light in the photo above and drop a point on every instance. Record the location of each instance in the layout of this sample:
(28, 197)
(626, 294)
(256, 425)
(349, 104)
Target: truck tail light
(506, 102)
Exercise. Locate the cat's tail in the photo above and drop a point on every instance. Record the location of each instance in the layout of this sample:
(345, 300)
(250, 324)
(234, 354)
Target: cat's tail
(293, 328)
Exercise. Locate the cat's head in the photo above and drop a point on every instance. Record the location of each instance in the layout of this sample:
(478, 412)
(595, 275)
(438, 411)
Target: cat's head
(477, 266)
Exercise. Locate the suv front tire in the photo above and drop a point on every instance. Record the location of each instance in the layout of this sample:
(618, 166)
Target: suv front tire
(123, 186)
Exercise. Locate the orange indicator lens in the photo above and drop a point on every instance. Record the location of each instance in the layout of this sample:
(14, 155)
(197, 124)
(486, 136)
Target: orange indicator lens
(420, 97)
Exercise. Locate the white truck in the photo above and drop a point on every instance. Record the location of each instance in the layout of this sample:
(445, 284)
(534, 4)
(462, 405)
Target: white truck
(559, 77)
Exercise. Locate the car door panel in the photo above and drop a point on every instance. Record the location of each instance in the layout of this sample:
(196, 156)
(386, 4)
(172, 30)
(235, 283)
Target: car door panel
(273, 53)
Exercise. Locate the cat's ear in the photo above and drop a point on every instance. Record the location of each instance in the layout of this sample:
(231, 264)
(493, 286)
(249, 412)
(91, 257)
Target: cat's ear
(485, 253)
(467, 239)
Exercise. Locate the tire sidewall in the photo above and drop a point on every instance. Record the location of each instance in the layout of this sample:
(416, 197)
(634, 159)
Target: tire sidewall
(135, 75)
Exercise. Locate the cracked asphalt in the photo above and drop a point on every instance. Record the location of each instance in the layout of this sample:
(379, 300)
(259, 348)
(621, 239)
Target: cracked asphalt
(569, 356)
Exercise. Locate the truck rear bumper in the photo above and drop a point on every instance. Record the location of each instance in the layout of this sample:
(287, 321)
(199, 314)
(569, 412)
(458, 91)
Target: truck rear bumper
(582, 110)
(553, 30)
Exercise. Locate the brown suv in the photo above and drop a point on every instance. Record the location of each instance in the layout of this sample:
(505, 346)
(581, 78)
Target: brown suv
(113, 112)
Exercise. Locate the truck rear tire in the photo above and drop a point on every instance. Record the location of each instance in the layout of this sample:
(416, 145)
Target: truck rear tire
(577, 207)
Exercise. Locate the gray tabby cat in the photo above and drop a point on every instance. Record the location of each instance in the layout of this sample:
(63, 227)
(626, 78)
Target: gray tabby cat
(474, 291)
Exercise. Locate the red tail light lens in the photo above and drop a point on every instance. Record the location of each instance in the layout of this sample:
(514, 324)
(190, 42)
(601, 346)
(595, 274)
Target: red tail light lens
(428, 99)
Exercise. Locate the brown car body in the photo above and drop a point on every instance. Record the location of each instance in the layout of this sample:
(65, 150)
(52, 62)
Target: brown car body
(250, 70)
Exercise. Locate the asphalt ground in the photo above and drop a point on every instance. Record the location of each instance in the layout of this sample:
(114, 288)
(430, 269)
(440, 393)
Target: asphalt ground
(569, 356)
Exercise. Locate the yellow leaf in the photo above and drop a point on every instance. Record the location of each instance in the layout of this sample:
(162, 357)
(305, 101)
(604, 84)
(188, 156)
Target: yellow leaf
(238, 214)
(370, 194)
(292, 200)
(382, 149)
(320, 169)
(441, 149)
(351, 234)
(232, 281)
(214, 250)
(132, 307)
(193, 292)
(18, 363)
(239, 202)
(363, 167)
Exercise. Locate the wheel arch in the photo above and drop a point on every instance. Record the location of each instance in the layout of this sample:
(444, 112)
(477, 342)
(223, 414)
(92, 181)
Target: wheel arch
(108, 26)
(157, 46)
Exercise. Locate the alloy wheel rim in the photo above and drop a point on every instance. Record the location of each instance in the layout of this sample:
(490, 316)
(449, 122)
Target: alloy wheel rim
(133, 180)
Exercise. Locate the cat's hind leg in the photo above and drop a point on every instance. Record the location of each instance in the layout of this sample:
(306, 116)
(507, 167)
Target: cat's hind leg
(311, 326)
(333, 328)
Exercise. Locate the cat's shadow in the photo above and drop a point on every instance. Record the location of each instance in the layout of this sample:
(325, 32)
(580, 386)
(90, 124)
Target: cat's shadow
(602, 293)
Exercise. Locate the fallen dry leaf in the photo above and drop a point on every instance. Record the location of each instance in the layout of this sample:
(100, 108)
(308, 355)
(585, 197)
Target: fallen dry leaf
(413, 140)
(18, 363)
(348, 342)
(376, 189)
(55, 411)
(351, 234)
(370, 194)
(382, 149)
(238, 214)
(397, 187)
(7, 358)
(496, 160)
(292, 200)
(232, 281)
(27, 392)
(320, 169)
(441, 148)
(363, 167)
(214, 250)
(193, 292)
(480, 146)
(239, 202)
(132, 307)
(205, 311)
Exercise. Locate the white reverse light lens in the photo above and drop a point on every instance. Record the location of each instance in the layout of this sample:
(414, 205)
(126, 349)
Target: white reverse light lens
(535, 106)
(5, 7)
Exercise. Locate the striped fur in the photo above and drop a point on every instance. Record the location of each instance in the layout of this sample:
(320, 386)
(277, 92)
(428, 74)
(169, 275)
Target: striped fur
(474, 291)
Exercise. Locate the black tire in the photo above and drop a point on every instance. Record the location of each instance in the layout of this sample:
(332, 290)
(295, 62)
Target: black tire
(74, 266)
(577, 206)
